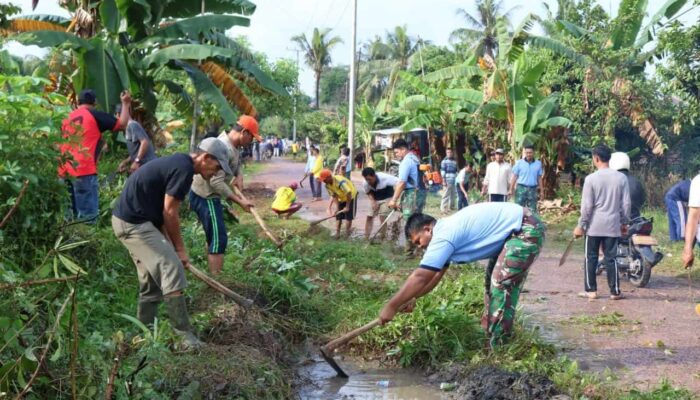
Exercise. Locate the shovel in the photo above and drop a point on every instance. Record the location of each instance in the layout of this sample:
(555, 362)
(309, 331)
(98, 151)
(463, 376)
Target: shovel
(318, 221)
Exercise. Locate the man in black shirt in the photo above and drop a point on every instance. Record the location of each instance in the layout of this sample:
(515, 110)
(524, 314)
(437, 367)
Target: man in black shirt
(146, 220)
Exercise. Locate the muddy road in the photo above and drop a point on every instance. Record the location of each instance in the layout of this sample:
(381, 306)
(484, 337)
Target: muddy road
(651, 334)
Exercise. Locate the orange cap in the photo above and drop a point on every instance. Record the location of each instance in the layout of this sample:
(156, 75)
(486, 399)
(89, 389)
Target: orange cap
(251, 125)
(325, 173)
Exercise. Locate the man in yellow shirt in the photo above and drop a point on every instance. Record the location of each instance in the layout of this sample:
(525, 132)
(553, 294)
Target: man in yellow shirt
(295, 149)
(314, 170)
(285, 203)
(343, 193)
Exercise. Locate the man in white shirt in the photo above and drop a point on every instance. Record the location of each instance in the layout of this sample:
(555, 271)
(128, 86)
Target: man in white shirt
(379, 187)
(498, 175)
(691, 226)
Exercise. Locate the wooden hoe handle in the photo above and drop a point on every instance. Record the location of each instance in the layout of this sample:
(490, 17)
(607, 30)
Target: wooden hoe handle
(216, 285)
(333, 344)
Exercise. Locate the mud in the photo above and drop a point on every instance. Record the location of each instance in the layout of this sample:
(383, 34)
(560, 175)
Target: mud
(495, 384)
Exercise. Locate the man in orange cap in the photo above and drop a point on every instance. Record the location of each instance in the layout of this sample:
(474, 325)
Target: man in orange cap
(285, 202)
(206, 196)
(343, 193)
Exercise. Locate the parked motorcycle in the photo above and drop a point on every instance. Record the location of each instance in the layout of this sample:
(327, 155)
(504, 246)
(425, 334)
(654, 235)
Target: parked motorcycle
(635, 252)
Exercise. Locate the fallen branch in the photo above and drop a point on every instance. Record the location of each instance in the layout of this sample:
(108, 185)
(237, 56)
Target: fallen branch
(39, 282)
(216, 285)
(16, 205)
(48, 345)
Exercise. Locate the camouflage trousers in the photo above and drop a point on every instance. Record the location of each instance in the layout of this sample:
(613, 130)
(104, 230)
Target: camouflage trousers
(408, 202)
(526, 196)
(505, 277)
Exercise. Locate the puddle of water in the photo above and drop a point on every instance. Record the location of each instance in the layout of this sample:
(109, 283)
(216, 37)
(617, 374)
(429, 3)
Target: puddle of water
(321, 382)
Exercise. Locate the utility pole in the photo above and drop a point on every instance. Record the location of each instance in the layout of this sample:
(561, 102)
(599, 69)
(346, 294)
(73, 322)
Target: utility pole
(351, 90)
(296, 94)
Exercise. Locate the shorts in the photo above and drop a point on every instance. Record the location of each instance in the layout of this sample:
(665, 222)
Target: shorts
(350, 215)
(158, 267)
(210, 213)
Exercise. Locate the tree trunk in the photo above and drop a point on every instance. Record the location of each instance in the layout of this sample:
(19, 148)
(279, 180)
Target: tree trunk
(318, 88)
(460, 149)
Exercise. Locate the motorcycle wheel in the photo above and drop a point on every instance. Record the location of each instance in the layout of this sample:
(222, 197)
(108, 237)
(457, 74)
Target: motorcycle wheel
(639, 276)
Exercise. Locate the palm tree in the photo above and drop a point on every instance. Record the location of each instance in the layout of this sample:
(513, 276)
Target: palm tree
(386, 58)
(317, 52)
(481, 27)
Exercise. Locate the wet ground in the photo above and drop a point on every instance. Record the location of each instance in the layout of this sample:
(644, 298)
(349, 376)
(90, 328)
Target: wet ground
(368, 380)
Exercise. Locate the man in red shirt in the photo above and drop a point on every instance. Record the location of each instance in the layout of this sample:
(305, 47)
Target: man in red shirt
(83, 131)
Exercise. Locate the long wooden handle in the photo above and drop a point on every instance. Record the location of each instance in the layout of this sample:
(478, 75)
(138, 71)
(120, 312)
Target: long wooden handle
(386, 220)
(321, 220)
(240, 300)
(333, 344)
(259, 220)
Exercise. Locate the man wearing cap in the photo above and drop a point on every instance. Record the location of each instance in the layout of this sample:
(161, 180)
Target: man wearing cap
(343, 194)
(146, 220)
(379, 187)
(83, 129)
(527, 175)
(138, 144)
(206, 194)
(285, 202)
(497, 178)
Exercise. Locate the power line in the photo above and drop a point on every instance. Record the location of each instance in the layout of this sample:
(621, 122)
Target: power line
(342, 14)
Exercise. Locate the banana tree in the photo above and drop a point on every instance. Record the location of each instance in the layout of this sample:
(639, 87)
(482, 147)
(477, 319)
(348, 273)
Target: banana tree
(134, 44)
(367, 117)
(618, 55)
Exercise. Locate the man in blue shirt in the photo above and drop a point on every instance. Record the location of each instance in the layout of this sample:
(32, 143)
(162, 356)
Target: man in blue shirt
(676, 200)
(405, 191)
(505, 231)
(527, 174)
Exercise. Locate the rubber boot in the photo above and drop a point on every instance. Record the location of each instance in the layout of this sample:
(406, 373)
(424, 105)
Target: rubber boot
(147, 311)
(180, 320)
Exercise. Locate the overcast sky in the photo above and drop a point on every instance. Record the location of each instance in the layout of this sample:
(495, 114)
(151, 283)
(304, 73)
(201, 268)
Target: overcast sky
(276, 21)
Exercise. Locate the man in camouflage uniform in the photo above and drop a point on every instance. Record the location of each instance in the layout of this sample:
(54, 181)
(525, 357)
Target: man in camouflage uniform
(505, 232)
(526, 179)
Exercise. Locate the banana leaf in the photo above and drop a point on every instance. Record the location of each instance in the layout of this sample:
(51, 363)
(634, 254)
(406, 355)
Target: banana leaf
(52, 39)
(208, 91)
(194, 27)
(188, 8)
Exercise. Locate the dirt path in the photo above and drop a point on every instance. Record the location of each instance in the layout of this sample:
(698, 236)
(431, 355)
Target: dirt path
(280, 172)
(653, 335)
(650, 335)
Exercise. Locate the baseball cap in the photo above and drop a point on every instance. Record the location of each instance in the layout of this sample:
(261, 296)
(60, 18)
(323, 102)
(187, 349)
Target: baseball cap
(251, 125)
(293, 185)
(399, 143)
(87, 96)
(325, 173)
(217, 149)
(499, 151)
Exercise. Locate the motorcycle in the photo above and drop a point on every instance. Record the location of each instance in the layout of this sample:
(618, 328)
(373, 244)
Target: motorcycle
(635, 253)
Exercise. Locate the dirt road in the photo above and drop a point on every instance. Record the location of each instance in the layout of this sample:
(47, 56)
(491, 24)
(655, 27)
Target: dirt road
(281, 172)
(650, 335)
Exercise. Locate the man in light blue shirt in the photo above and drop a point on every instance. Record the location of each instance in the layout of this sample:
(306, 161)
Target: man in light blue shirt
(527, 174)
(506, 232)
(405, 191)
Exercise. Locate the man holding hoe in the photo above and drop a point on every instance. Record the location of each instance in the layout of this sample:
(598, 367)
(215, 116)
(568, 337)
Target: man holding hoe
(343, 193)
(508, 232)
(206, 194)
(146, 219)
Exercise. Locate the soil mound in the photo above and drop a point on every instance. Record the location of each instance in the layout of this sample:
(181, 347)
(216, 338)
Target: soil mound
(496, 384)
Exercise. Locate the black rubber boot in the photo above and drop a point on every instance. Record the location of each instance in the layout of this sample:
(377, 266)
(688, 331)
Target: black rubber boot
(147, 311)
(180, 320)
